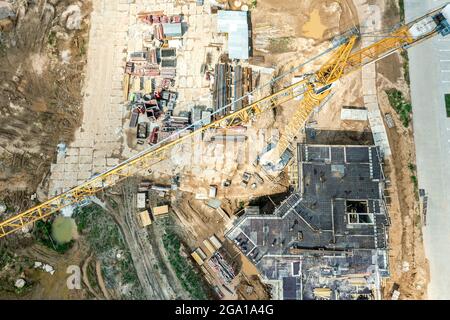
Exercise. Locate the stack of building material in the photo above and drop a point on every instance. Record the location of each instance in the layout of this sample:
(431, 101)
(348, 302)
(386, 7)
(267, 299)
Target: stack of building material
(247, 82)
(149, 16)
(152, 56)
(209, 246)
(168, 63)
(134, 119)
(196, 116)
(222, 92)
(223, 269)
(141, 200)
(126, 86)
(138, 56)
(158, 32)
(146, 70)
(322, 293)
(206, 117)
(145, 218)
(353, 113)
(167, 53)
(176, 122)
(175, 19)
(160, 211)
(172, 30)
(216, 243)
(168, 73)
(197, 258)
(242, 83)
(238, 89)
(163, 135)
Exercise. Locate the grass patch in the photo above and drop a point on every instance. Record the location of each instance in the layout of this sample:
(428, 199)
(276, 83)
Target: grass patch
(400, 105)
(5, 258)
(100, 230)
(43, 233)
(405, 57)
(447, 104)
(2, 47)
(189, 278)
(280, 45)
(401, 5)
(51, 39)
(253, 4)
(413, 169)
(105, 239)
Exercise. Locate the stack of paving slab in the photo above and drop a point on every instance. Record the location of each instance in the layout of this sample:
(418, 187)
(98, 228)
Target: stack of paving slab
(369, 76)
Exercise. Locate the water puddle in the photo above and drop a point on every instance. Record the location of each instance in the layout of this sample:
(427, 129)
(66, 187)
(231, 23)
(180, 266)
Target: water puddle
(314, 28)
(64, 229)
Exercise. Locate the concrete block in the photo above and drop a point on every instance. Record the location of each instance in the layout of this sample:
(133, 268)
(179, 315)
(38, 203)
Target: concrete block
(112, 162)
(85, 159)
(71, 159)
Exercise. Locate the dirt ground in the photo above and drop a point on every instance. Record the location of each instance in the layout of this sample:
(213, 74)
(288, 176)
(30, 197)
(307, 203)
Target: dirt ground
(408, 264)
(406, 245)
(286, 28)
(43, 283)
(41, 74)
(145, 245)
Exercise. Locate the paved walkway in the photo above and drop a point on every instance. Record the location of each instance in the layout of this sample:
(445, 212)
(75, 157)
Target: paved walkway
(101, 141)
(97, 143)
(369, 75)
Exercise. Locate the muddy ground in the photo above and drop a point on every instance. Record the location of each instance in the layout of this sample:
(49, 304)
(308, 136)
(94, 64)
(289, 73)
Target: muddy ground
(42, 59)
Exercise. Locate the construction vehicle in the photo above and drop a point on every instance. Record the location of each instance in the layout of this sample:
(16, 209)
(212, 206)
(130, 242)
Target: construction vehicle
(245, 179)
(314, 87)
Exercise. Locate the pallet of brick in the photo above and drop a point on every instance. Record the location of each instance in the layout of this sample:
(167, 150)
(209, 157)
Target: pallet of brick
(168, 53)
(151, 71)
(152, 56)
(158, 32)
(149, 14)
(168, 63)
(169, 73)
(138, 56)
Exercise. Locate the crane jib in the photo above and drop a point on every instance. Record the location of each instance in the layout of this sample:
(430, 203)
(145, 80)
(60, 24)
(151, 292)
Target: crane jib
(343, 63)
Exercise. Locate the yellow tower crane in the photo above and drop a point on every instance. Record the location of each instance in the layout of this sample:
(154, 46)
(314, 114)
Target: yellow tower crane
(314, 87)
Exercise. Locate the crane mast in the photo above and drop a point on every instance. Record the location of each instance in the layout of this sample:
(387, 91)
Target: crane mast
(314, 87)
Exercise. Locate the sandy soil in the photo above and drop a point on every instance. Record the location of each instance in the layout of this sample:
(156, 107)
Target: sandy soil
(409, 266)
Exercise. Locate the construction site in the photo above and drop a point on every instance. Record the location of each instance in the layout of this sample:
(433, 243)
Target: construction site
(210, 149)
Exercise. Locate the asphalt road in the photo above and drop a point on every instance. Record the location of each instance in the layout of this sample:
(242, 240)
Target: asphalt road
(430, 80)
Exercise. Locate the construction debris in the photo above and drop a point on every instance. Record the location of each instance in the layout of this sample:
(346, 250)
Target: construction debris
(144, 217)
(160, 211)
